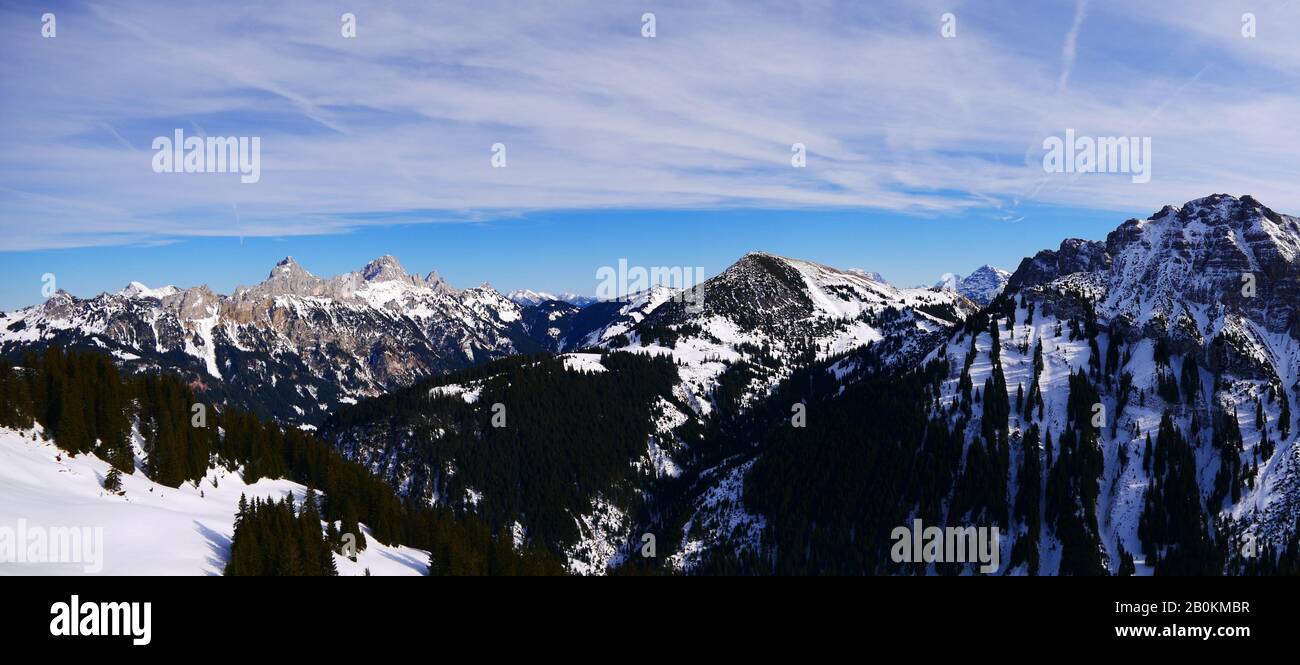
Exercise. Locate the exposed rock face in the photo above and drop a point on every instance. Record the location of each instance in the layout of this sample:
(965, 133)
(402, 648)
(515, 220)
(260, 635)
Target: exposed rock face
(1203, 253)
(1075, 255)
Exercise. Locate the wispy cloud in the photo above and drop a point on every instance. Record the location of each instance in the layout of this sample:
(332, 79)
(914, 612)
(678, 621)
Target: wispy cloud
(398, 123)
(1069, 50)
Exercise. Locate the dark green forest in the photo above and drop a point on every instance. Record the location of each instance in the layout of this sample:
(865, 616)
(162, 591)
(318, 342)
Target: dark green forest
(564, 436)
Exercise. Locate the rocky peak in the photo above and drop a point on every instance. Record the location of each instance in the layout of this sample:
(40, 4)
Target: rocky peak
(435, 281)
(1074, 255)
(287, 267)
(1201, 254)
(1185, 263)
(985, 284)
(981, 286)
(288, 278)
(196, 303)
(386, 269)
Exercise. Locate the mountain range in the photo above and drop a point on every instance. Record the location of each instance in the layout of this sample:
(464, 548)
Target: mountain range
(528, 297)
(1116, 407)
(296, 345)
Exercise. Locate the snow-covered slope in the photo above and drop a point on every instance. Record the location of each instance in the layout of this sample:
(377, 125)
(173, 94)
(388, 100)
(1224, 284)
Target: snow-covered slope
(1168, 297)
(149, 529)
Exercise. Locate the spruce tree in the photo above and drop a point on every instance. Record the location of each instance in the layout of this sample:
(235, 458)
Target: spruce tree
(113, 481)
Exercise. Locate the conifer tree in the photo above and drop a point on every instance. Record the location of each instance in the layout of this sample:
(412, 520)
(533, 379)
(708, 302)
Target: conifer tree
(113, 481)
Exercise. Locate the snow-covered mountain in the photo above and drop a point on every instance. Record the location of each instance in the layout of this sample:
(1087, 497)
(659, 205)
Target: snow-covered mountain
(294, 345)
(1125, 406)
(528, 298)
(1208, 292)
(981, 286)
(767, 315)
(136, 289)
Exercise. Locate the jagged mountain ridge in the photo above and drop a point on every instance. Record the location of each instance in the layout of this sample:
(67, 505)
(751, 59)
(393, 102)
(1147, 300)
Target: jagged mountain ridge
(295, 345)
(1199, 255)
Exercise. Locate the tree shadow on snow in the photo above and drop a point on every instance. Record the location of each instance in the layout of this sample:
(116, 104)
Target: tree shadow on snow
(414, 563)
(219, 544)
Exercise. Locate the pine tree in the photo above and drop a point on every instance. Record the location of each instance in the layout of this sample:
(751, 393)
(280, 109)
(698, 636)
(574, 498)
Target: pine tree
(352, 526)
(1126, 566)
(113, 481)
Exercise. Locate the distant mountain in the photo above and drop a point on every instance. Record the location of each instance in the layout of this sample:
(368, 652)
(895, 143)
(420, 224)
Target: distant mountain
(136, 289)
(528, 298)
(981, 286)
(869, 274)
(752, 324)
(296, 344)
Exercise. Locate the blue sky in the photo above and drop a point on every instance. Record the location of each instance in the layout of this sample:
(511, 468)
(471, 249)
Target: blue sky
(561, 251)
(924, 153)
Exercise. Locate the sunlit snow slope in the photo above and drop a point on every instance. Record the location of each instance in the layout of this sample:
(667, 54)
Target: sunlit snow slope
(151, 529)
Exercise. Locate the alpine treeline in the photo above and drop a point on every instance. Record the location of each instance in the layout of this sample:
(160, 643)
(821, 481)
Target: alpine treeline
(85, 405)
